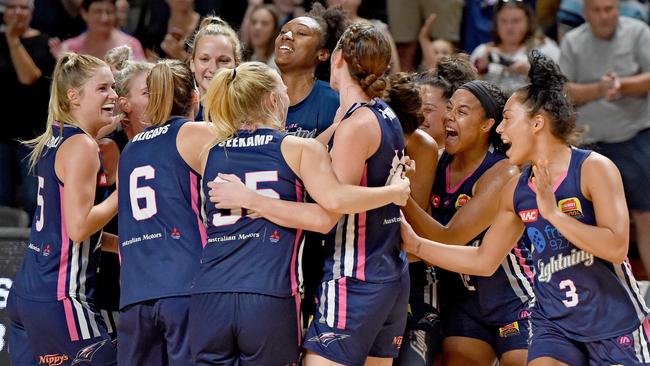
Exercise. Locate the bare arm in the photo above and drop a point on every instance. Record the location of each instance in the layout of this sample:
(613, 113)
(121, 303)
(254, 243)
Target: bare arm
(602, 184)
(77, 164)
(109, 243)
(636, 86)
(110, 154)
(479, 261)
(580, 94)
(471, 219)
(422, 149)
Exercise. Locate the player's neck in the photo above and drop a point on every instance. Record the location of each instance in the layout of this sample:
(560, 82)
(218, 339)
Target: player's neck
(299, 85)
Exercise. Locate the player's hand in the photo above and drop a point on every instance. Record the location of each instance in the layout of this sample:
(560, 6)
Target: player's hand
(410, 239)
(228, 192)
(402, 186)
(409, 166)
(546, 203)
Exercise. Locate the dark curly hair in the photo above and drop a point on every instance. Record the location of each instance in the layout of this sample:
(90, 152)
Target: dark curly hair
(500, 99)
(456, 70)
(366, 50)
(404, 99)
(333, 23)
(546, 93)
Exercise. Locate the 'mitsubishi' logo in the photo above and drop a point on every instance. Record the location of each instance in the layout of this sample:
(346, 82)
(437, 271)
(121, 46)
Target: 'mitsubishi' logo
(327, 338)
(275, 237)
(571, 206)
(53, 359)
(175, 234)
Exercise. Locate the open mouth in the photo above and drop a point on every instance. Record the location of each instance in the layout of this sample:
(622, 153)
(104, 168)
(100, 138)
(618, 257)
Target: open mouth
(108, 107)
(450, 132)
(285, 48)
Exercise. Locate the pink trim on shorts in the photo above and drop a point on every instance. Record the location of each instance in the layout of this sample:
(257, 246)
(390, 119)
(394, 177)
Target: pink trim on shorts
(343, 302)
(194, 194)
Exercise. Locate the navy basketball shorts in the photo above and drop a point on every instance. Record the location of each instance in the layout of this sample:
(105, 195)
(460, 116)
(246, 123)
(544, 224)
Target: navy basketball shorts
(357, 319)
(154, 332)
(548, 340)
(503, 337)
(244, 329)
(67, 332)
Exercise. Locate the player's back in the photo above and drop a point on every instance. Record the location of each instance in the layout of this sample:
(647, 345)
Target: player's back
(55, 267)
(244, 254)
(160, 227)
(366, 245)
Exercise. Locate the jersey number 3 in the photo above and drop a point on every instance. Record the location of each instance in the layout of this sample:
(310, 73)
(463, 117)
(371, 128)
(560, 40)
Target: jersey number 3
(571, 295)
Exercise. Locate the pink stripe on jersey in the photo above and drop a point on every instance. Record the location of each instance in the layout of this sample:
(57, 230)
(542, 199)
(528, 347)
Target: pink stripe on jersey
(646, 328)
(63, 272)
(361, 239)
(194, 196)
(448, 179)
(555, 185)
(343, 302)
(522, 263)
(296, 243)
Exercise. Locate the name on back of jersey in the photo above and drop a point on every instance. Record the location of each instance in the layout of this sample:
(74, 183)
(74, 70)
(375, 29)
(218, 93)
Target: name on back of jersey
(150, 134)
(257, 140)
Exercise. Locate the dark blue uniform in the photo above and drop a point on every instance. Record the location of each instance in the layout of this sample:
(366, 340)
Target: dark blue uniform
(315, 113)
(51, 305)
(493, 309)
(588, 310)
(161, 238)
(245, 298)
(363, 296)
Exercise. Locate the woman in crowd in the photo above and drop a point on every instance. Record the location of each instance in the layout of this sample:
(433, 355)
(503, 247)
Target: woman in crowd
(588, 309)
(259, 30)
(52, 301)
(504, 60)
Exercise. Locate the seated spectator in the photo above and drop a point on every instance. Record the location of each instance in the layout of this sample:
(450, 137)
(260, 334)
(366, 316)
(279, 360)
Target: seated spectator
(432, 49)
(570, 13)
(102, 35)
(260, 27)
(504, 61)
(25, 68)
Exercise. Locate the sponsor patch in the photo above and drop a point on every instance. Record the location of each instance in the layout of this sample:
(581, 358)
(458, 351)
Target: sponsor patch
(462, 200)
(529, 215)
(509, 330)
(327, 338)
(54, 359)
(571, 206)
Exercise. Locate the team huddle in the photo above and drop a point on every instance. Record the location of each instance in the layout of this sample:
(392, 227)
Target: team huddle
(241, 243)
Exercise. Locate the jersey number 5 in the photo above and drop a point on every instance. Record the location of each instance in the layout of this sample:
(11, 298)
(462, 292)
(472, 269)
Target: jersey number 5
(147, 193)
(250, 180)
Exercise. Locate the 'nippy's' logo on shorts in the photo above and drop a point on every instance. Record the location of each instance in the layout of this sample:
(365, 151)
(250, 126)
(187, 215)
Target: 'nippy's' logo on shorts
(52, 360)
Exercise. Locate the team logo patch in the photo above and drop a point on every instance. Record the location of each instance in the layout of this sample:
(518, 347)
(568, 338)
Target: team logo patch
(529, 215)
(435, 201)
(327, 338)
(175, 234)
(46, 250)
(462, 200)
(397, 341)
(509, 330)
(53, 359)
(625, 341)
(571, 206)
(86, 354)
(524, 314)
(275, 237)
(537, 238)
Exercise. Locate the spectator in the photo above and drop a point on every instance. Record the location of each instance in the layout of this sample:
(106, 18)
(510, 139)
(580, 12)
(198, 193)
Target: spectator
(169, 39)
(406, 17)
(504, 61)
(607, 61)
(25, 66)
(569, 15)
(58, 18)
(101, 36)
(432, 50)
(260, 27)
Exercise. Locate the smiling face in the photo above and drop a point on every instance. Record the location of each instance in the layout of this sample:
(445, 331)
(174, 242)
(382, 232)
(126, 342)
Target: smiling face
(93, 104)
(433, 109)
(465, 122)
(135, 104)
(212, 54)
(516, 130)
(298, 45)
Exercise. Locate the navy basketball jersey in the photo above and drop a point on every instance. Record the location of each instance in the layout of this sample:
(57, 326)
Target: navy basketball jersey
(315, 113)
(366, 246)
(245, 254)
(160, 226)
(587, 297)
(54, 266)
(501, 297)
